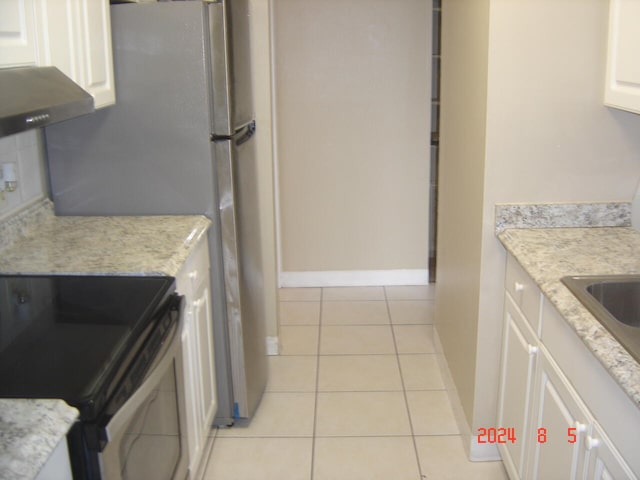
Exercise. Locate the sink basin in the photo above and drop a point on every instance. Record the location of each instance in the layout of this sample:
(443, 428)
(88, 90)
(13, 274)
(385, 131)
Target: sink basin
(615, 302)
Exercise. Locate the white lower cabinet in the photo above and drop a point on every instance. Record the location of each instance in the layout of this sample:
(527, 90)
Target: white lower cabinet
(204, 327)
(559, 433)
(605, 463)
(571, 444)
(559, 427)
(197, 345)
(519, 358)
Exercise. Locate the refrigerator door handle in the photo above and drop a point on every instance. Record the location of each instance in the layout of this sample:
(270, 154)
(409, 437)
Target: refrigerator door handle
(241, 136)
(220, 138)
(250, 131)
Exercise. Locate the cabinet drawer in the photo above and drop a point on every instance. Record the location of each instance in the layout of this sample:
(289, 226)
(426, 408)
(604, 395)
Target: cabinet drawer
(524, 291)
(195, 271)
(197, 265)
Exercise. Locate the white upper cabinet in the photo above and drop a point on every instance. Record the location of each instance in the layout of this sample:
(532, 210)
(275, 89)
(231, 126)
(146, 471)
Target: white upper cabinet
(17, 33)
(622, 87)
(72, 35)
(75, 36)
(58, 36)
(558, 427)
(95, 33)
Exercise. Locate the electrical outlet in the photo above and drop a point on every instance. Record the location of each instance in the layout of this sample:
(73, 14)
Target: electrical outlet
(9, 172)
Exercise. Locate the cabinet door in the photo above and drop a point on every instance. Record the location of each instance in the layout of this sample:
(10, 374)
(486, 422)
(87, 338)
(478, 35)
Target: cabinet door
(95, 29)
(55, 24)
(622, 87)
(17, 33)
(75, 37)
(605, 463)
(519, 354)
(559, 427)
(208, 404)
(197, 338)
(192, 386)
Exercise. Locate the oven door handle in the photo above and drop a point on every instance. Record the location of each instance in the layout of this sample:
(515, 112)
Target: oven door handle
(164, 358)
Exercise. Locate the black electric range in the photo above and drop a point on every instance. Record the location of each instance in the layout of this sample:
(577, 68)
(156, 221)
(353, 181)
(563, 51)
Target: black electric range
(74, 337)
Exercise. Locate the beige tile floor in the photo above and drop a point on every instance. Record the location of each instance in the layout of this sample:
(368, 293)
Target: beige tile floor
(356, 393)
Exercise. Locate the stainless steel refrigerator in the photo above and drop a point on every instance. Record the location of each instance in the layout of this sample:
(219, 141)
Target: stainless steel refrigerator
(180, 140)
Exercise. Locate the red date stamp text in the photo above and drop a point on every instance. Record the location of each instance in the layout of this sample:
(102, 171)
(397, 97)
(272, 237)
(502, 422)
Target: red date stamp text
(504, 435)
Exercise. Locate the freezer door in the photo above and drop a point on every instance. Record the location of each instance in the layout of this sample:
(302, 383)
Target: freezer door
(242, 254)
(230, 66)
(150, 153)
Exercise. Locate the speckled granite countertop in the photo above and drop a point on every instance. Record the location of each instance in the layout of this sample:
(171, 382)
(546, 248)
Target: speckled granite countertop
(35, 241)
(29, 431)
(550, 254)
(154, 245)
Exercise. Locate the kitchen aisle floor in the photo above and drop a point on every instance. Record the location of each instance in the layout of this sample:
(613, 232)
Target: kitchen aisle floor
(356, 393)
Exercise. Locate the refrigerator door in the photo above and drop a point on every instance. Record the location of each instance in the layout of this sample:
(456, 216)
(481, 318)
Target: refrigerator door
(232, 95)
(151, 153)
(242, 254)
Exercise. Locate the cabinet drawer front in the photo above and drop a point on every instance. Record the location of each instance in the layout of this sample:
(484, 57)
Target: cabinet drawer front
(525, 292)
(197, 265)
(622, 83)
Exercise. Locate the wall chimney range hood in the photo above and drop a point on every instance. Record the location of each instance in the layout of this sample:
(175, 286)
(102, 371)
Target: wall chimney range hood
(32, 97)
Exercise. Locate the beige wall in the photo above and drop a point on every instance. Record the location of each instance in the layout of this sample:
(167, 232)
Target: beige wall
(462, 144)
(548, 139)
(352, 83)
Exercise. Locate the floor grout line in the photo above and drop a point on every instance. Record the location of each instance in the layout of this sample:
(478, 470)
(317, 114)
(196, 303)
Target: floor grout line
(315, 404)
(404, 389)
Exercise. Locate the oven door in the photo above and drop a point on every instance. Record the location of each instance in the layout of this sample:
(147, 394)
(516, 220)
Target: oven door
(146, 437)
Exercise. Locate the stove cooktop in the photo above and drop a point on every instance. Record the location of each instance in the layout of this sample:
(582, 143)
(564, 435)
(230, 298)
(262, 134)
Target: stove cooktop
(71, 337)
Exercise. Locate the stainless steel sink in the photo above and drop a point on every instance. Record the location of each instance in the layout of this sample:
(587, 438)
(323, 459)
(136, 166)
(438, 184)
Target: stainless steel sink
(615, 302)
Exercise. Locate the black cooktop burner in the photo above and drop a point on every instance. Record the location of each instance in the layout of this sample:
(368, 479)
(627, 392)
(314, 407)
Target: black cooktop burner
(71, 337)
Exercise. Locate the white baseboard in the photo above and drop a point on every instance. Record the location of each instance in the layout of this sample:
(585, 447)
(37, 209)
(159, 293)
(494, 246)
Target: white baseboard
(273, 346)
(483, 453)
(354, 278)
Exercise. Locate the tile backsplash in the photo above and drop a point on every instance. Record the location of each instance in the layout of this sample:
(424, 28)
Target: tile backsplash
(562, 215)
(26, 151)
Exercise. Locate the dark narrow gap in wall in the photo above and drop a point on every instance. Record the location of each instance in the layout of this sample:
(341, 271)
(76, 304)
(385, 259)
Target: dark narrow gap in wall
(435, 129)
